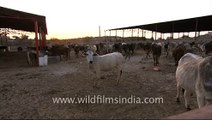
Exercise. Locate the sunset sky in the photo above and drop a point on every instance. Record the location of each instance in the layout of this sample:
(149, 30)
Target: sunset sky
(81, 18)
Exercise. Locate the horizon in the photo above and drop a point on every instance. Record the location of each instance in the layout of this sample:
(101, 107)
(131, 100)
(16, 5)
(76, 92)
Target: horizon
(81, 18)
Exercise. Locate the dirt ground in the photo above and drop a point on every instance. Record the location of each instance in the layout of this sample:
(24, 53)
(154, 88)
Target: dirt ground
(26, 92)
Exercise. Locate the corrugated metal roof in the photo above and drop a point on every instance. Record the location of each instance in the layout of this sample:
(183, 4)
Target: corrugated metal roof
(19, 20)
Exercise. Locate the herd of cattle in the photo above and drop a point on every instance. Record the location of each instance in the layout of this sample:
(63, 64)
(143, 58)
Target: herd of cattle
(193, 61)
(172, 48)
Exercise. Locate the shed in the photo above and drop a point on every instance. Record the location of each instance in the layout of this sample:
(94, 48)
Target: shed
(20, 20)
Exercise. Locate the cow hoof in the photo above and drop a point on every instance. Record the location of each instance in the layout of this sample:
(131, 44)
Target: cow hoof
(188, 108)
(178, 100)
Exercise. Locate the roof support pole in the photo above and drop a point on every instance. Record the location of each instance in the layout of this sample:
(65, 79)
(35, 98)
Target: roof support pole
(116, 35)
(132, 33)
(110, 34)
(40, 39)
(142, 33)
(138, 32)
(152, 35)
(172, 30)
(155, 35)
(44, 39)
(123, 34)
(36, 41)
(156, 27)
(196, 27)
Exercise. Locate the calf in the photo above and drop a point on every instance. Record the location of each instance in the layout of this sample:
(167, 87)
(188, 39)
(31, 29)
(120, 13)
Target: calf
(194, 75)
(106, 62)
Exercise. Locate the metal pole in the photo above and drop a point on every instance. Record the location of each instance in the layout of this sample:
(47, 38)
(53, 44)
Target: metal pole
(138, 32)
(172, 30)
(110, 34)
(196, 27)
(142, 33)
(44, 39)
(36, 41)
(99, 31)
(156, 27)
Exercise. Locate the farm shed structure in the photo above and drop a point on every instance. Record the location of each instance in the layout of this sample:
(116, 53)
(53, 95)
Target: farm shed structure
(197, 24)
(19, 20)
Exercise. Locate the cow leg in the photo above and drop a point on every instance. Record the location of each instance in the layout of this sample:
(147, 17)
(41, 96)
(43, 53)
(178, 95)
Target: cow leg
(147, 54)
(155, 60)
(28, 58)
(200, 100)
(178, 94)
(187, 98)
(98, 77)
(119, 73)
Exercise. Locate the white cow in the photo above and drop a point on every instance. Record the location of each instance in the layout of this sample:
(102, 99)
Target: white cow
(194, 75)
(111, 61)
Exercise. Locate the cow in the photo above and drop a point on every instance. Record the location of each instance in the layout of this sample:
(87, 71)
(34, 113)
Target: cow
(156, 52)
(59, 50)
(146, 47)
(208, 47)
(178, 52)
(98, 63)
(194, 75)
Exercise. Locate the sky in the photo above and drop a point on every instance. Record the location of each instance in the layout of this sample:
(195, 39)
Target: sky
(81, 18)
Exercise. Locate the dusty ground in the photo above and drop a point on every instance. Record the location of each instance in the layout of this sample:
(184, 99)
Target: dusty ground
(26, 92)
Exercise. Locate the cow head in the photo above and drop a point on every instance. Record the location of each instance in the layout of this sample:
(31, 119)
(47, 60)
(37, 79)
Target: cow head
(90, 56)
(205, 71)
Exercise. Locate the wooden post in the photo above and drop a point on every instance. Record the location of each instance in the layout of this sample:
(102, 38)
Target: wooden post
(36, 41)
